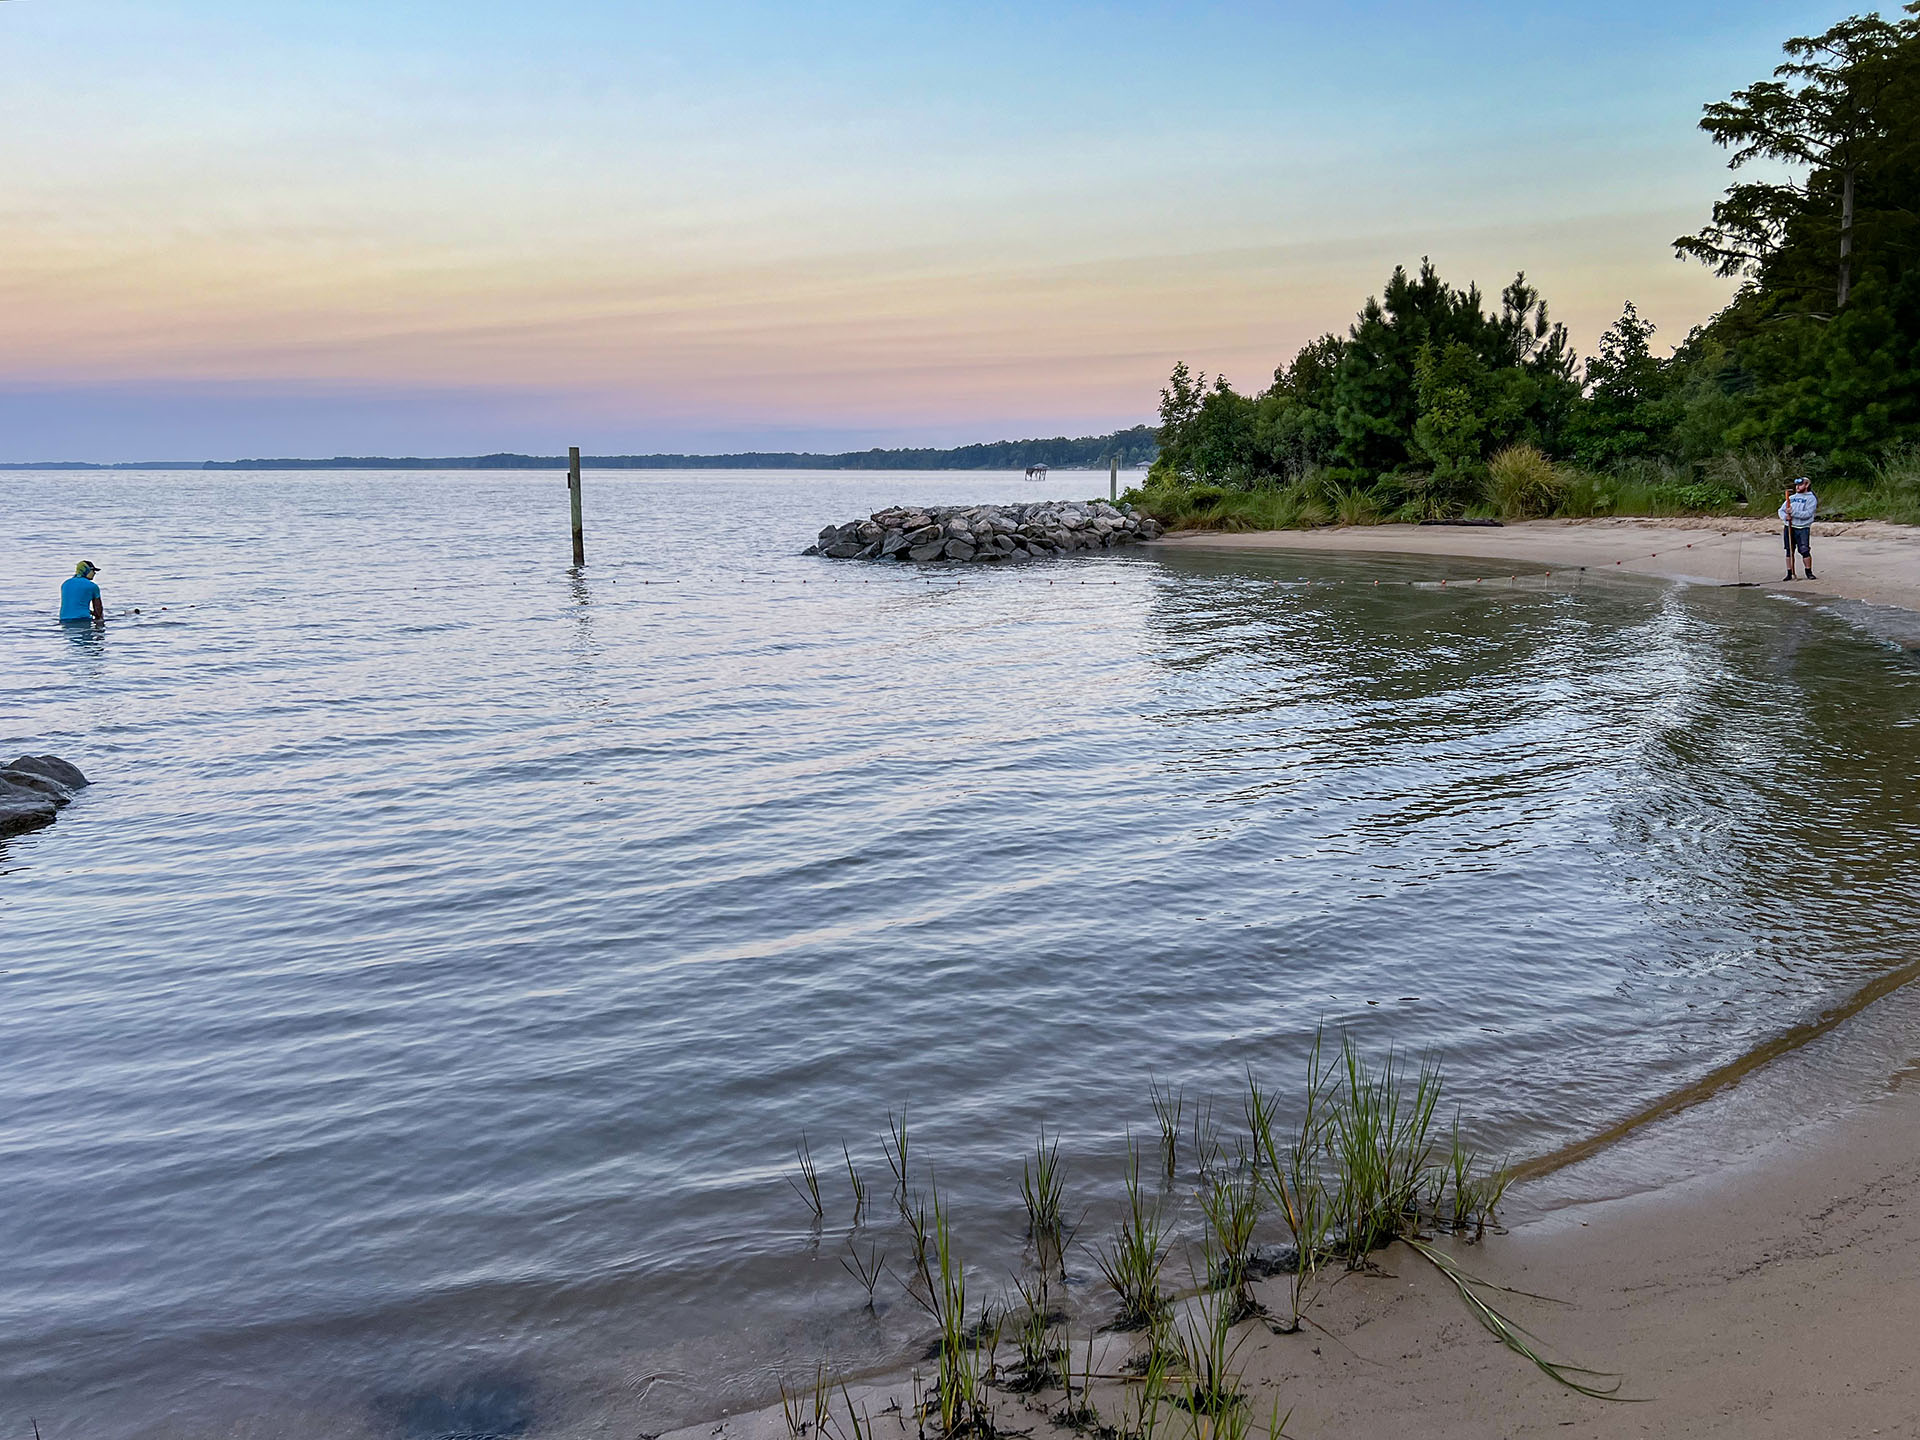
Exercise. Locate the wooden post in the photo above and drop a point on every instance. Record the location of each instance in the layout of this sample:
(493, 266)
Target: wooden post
(1113, 478)
(573, 495)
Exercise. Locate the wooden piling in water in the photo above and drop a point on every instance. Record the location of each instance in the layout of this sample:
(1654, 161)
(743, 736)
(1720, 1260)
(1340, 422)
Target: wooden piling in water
(1113, 478)
(573, 497)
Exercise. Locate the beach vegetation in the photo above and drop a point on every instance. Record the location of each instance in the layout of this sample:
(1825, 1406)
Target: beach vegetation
(1042, 1184)
(1169, 1107)
(1206, 1345)
(1040, 1350)
(1230, 1205)
(898, 1152)
(809, 1412)
(867, 1269)
(859, 1185)
(807, 1183)
(960, 1403)
(1134, 1257)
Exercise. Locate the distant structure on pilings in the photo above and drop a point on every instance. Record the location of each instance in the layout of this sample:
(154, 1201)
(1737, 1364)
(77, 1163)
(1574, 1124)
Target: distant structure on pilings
(1036, 472)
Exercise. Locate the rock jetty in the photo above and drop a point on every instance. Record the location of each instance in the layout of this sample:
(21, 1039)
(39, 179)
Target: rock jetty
(32, 788)
(963, 533)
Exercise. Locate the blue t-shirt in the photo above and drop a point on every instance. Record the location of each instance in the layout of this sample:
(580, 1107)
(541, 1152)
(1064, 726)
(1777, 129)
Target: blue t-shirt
(77, 594)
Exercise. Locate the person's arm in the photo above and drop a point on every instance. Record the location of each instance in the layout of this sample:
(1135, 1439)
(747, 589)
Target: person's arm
(99, 610)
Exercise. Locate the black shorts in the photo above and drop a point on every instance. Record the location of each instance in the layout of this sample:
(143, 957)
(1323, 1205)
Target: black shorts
(1798, 537)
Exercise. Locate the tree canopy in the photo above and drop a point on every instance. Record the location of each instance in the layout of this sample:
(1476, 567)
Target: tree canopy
(1817, 356)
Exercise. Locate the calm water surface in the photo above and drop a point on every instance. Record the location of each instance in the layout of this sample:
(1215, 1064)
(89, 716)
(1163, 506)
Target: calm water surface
(409, 1033)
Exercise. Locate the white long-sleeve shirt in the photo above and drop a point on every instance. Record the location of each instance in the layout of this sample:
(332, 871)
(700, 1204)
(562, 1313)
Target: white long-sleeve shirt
(1799, 507)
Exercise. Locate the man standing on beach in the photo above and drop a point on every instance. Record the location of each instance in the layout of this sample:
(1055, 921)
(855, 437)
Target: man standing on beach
(1796, 513)
(80, 597)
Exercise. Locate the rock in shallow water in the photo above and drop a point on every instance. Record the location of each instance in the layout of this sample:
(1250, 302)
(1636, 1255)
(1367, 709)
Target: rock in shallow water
(977, 533)
(54, 768)
(32, 790)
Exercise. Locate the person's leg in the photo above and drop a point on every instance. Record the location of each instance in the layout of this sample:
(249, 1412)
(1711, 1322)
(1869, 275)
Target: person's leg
(1806, 551)
(1786, 534)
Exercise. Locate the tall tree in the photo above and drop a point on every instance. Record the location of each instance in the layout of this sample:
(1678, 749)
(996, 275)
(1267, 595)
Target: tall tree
(1837, 113)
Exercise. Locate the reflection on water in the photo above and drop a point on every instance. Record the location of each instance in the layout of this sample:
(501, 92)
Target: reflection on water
(87, 637)
(418, 1016)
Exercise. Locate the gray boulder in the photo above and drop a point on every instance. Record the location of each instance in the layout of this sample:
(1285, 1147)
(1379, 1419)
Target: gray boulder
(929, 551)
(38, 783)
(54, 768)
(23, 809)
(958, 549)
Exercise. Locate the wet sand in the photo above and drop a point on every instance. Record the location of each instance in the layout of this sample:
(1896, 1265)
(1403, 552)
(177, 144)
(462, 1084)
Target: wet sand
(1866, 560)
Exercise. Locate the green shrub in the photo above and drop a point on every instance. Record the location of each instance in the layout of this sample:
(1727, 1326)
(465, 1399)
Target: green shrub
(1587, 493)
(1354, 506)
(1760, 477)
(1522, 484)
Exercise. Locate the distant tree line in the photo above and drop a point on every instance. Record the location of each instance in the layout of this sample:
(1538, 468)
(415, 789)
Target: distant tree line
(1814, 364)
(1133, 447)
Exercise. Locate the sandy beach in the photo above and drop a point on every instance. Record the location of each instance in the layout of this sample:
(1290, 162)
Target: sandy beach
(1865, 560)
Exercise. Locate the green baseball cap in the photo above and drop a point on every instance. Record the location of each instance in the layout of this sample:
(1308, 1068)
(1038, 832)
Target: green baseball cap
(87, 568)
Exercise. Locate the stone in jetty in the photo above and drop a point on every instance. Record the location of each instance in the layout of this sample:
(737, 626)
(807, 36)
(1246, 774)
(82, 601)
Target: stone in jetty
(961, 534)
(33, 788)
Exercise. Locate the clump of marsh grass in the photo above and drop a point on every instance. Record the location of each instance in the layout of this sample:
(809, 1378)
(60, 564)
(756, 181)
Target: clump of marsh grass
(1169, 1107)
(1156, 1373)
(897, 1156)
(866, 1269)
(1081, 1415)
(859, 1185)
(1354, 506)
(1206, 1346)
(1231, 1207)
(1289, 1168)
(1379, 1135)
(961, 1403)
(1134, 1258)
(919, 1231)
(1033, 1334)
(1375, 1127)
(1205, 1141)
(1466, 1193)
(807, 1185)
(1523, 484)
(1042, 1185)
(808, 1412)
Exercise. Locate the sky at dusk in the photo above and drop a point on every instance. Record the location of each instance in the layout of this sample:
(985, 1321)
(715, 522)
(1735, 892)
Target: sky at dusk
(427, 228)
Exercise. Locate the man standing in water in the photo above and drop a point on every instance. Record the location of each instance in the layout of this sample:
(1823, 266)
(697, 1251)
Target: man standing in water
(80, 597)
(1796, 513)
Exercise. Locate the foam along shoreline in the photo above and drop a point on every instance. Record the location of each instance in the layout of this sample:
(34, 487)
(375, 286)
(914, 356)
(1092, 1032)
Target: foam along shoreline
(1864, 560)
(1775, 1295)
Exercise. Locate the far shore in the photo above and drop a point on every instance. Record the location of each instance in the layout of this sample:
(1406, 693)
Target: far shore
(1866, 560)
